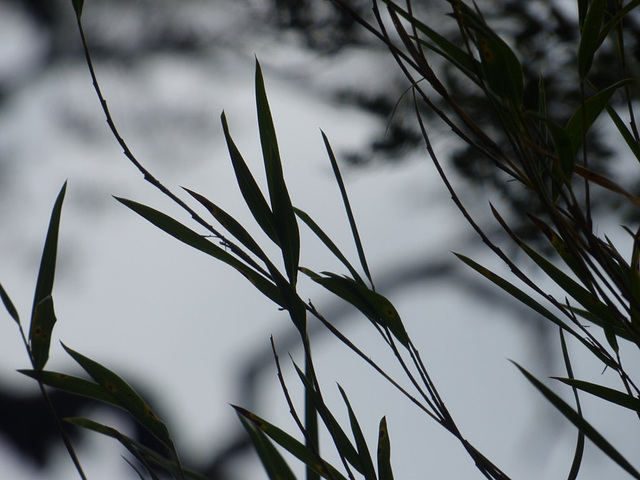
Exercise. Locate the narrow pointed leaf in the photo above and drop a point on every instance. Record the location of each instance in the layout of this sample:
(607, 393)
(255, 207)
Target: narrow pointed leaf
(366, 463)
(77, 6)
(8, 304)
(46, 273)
(275, 466)
(593, 107)
(347, 207)
(42, 322)
(290, 444)
(285, 219)
(197, 241)
(589, 42)
(585, 427)
(315, 228)
(609, 394)
(249, 188)
(384, 452)
(72, 384)
(632, 143)
(124, 396)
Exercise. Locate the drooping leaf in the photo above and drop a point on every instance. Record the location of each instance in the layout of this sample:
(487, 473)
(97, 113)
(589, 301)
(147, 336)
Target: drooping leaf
(285, 219)
(632, 143)
(609, 394)
(77, 6)
(385, 471)
(275, 466)
(583, 426)
(8, 304)
(72, 384)
(293, 446)
(249, 188)
(197, 241)
(589, 42)
(124, 396)
(42, 322)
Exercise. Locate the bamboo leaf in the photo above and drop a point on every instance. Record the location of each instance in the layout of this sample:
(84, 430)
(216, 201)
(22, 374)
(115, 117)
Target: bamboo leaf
(8, 304)
(77, 6)
(197, 241)
(42, 322)
(46, 273)
(582, 425)
(609, 394)
(347, 207)
(366, 463)
(285, 219)
(249, 188)
(589, 42)
(384, 452)
(293, 446)
(593, 107)
(124, 396)
(328, 243)
(71, 384)
(632, 143)
(275, 466)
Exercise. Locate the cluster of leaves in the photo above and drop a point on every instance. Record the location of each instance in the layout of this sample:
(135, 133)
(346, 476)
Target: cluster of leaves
(546, 156)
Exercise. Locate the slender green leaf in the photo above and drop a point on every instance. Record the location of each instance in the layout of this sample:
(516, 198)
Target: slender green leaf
(522, 297)
(77, 6)
(589, 36)
(124, 396)
(44, 318)
(347, 207)
(315, 228)
(8, 304)
(46, 273)
(275, 466)
(197, 241)
(285, 219)
(384, 452)
(632, 143)
(249, 188)
(366, 463)
(293, 446)
(616, 19)
(609, 394)
(593, 107)
(585, 427)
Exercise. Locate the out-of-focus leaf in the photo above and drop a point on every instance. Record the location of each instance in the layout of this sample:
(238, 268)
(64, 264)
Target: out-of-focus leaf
(441, 46)
(521, 296)
(249, 188)
(582, 425)
(347, 207)
(315, 228)
(71, 384)
(374, 306)
(563, 170)
(8, 304)
(609, 394)
(590, 32)
(293, 446)
(124, 396)
(366, 463)
(384, 452)
(500, 65)
(197, 241)
(285, 219)
(42, 322)
(633, 145)
(593, 107)
(616, 19)
(275, 466)
(77, 6)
